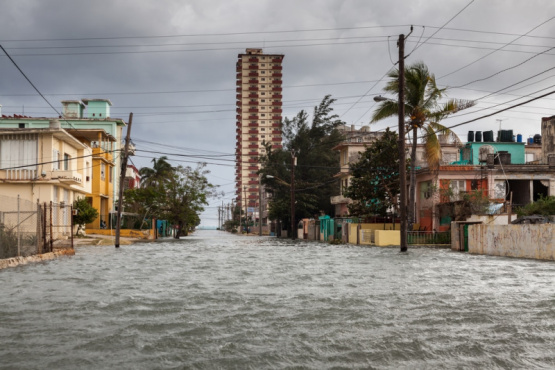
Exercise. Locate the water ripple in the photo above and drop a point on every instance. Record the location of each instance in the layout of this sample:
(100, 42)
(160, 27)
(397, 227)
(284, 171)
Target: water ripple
(219, 301)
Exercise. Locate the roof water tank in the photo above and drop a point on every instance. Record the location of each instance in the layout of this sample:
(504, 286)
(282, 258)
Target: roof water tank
(478, 136)
(537, 139)
(470, 136)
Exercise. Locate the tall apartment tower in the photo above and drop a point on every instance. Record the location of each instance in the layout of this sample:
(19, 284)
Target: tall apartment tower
(259, 108)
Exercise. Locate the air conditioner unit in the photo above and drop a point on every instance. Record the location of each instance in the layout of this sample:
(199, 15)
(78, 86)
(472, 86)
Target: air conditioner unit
(484, 151)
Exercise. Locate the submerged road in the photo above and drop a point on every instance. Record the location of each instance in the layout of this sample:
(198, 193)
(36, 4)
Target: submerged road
(219, 301)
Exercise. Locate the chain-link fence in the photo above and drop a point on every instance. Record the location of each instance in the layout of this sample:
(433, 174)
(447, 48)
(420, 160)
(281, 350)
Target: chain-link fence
(28, 228)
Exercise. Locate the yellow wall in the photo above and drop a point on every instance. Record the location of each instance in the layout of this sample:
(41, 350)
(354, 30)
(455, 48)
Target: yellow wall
(102, 188)
(387, 237)
(371, 227)
(127, 233)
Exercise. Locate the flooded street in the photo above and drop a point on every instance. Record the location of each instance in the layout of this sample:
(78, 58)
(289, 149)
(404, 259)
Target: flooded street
(215, 300)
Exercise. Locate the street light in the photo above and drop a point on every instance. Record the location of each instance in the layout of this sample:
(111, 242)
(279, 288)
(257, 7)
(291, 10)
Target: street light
(260, 202)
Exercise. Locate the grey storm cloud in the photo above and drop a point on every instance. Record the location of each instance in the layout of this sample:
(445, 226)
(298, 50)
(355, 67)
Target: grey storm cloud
(172, 63)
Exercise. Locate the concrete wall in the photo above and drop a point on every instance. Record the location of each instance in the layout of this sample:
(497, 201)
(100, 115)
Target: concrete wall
(384, 238)
(524, 241)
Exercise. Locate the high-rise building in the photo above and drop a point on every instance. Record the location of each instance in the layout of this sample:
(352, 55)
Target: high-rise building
(259, 108)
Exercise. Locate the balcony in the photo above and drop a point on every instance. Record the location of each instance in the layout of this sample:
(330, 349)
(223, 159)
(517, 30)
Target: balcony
(253, 60)
(252, 182)
(238, 89)
(276, 110)
(276, 146)
(277, 68)
(239, 97)
(277, 117)
(67, 177)
(253, 110)
(277, 96)
(276, 124)
(253, 88)
(238, 130)
(253, 95)
(239, 75)
(252, 161)
(252, 146)
(253, 139)
(255, 67)
(276, 132)
(277, 74)
(238, 117)
(252, 117)
(276, 60)
(238, 110)
(340, 199)
(277, 104)
(253, 80)
(276, 81)
(276, 89)
(252, 168)
(255, 124)
(253, 132)
(253, 74)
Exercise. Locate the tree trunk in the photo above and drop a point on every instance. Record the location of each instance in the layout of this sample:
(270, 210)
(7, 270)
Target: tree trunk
(412, 187)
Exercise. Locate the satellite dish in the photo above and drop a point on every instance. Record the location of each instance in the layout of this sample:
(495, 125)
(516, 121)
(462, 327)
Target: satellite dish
(484, 151)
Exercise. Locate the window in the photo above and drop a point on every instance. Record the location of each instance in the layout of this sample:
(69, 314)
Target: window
(19, 150)
(263, 115)
(263, 100)
(103, 171)
(110, 175)
(263, 79)
(262, 129)
(345, 156)
(55, 160)
(457, 186)
(529, 157)
(21, 125)
(66, 162)
(263, 86)
(263, 93)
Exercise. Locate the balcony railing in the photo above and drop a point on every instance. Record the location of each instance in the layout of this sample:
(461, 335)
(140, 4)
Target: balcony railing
(276, 89)
(253, 74)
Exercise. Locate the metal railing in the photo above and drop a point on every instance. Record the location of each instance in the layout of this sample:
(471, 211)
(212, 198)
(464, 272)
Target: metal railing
(428, 237)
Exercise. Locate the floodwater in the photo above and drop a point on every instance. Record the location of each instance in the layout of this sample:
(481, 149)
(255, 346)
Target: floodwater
(219, 301)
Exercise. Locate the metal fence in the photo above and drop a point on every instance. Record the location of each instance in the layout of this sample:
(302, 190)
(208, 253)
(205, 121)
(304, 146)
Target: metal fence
(28, 228)
(428, 237)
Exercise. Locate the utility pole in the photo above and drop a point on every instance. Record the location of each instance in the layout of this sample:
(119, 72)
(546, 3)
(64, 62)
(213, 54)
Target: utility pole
(402, 160)
(259, 205)
(293, 164)
(124, 156)
(246, 210)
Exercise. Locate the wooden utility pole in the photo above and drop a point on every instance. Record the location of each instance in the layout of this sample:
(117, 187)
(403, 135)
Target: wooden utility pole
(124, 156)
(402, 160)
(246, 210)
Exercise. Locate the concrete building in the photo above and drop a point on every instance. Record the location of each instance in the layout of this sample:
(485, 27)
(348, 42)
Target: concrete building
(87, 114)
(44, 164)
(349, 150)
(259, 113)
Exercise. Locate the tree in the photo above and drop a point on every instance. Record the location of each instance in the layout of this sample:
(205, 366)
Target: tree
(423, 111)
(176, 194)
(374, 186)
(544, 206)
(86, 213)
(312, 142)
(160, 172)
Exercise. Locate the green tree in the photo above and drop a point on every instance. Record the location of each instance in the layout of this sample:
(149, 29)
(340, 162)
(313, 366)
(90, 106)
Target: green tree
(423, 111)
(86, 213)
(544, 206)
(312, 141)
(374, 185)
(176, 194)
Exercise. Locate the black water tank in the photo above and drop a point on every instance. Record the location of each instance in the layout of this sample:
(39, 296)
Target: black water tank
(537, 139)
(478, 136)
(504, 157)
(488, 136)
(470, 136)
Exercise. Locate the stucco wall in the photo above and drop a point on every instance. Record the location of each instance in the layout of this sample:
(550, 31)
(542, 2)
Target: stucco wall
(387, 237)
(524, 241)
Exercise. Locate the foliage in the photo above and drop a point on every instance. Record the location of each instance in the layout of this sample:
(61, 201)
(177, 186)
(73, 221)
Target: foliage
(86, 213)
(374, 186)
(8, 242)
(312, 142)
(423, 111)
(544, 206)
(176, 194)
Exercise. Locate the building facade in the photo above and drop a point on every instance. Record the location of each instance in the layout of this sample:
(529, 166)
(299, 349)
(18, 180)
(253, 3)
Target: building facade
(44, 165)
(84, 114)
(259, 114)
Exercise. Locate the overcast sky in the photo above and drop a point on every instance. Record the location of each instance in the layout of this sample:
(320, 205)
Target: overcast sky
(172, 63)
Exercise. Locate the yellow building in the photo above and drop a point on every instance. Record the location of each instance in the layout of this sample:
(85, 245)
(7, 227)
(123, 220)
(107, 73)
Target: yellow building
(102, 181)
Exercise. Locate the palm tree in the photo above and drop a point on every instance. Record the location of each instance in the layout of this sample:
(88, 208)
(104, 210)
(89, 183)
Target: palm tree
(423, 111)
(158, 174)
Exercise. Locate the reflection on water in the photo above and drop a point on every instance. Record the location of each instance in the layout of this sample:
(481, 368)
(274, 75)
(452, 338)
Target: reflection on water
(216, 300)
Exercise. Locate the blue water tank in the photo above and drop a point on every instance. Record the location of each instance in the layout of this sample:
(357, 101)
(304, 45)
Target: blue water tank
(519, 138)
(530, 140)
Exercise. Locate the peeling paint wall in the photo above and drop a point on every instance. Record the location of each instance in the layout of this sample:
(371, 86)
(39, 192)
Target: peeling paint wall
(548, 138)
(524, 241)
